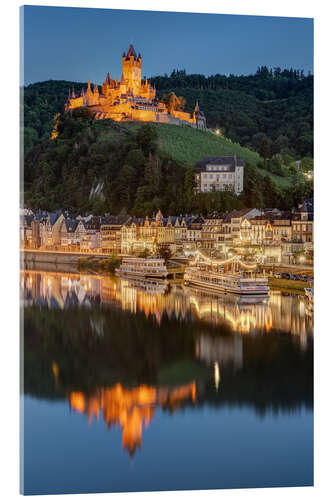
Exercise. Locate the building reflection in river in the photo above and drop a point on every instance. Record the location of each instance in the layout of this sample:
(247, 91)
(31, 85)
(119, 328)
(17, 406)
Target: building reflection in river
(280, 312)
(131, 408)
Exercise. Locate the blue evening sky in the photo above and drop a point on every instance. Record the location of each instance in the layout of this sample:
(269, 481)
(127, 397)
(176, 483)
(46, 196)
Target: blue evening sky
(75, 44)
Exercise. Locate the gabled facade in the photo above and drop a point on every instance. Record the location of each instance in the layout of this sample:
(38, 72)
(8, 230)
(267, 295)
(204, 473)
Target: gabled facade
(50, 230)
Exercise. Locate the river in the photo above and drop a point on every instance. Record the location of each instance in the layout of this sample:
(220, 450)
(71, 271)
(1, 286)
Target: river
(136, 389)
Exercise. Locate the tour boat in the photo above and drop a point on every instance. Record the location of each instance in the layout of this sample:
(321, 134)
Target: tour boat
(138, 266)
(216, 281)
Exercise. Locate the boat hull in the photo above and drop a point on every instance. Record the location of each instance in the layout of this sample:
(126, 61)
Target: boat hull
(225, 288)
(139, 274)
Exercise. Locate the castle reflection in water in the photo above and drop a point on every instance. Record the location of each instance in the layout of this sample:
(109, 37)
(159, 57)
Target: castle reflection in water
(133, 408)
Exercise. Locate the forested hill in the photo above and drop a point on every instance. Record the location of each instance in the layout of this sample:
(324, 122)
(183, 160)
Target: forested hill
(110, 167)
(276, 105)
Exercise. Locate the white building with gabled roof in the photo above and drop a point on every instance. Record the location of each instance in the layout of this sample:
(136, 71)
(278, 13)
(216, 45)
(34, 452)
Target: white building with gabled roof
(220, 173)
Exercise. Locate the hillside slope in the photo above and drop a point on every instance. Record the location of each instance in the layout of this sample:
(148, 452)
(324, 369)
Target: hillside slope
(142, 168)
(186, 145)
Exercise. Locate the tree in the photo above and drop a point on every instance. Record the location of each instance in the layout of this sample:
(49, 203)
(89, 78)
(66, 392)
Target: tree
(164, 252)
(146, 138)
(307, 163)
(189, 186)
(265, 148)
(173, 103)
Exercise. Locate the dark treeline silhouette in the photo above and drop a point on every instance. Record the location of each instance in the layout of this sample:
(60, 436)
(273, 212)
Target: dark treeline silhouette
(264, 84)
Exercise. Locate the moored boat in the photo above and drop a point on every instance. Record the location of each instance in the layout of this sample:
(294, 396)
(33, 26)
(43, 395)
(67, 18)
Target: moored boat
(146, 268)
(241, 283)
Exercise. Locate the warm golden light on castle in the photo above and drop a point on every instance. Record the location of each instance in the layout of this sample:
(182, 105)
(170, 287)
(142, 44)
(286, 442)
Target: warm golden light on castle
(132, 99)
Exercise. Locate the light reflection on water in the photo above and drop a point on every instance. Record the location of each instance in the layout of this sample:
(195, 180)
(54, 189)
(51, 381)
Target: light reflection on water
(121, 354)
(283, 312)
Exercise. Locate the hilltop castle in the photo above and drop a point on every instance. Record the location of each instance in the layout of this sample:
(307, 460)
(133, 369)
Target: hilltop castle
(132, 99)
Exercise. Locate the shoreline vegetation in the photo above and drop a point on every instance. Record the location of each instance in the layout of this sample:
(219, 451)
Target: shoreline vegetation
(287, 285)
(97, 265)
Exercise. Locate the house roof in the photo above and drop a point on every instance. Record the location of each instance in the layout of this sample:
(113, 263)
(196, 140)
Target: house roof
(306, 205)
(54, 216)
(71, 225)
(28, 220)
(92, 223)
(114, 220)
(237, 214)
(232, 161)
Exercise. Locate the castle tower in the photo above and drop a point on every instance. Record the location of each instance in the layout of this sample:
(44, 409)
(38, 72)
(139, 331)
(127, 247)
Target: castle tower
(132, 69)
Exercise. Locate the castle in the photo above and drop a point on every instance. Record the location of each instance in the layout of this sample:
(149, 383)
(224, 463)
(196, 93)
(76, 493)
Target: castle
(132, 99)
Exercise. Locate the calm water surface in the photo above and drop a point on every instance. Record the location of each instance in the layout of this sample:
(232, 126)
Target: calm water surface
(129, 388)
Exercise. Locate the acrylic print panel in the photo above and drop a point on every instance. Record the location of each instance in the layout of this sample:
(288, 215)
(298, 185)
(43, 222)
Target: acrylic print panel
(167, 251)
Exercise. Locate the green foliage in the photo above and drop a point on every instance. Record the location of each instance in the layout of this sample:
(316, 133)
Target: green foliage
(307, 164)
(146, 139)
(142, 169)
(265, 148)
(108, 264)
(275, 103)
(187, 145)
(164, 252)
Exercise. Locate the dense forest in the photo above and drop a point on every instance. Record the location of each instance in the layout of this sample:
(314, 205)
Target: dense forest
(273, 107)
(138, 176)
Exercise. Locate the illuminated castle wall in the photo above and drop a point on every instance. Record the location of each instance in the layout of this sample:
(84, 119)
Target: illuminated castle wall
(131, 98)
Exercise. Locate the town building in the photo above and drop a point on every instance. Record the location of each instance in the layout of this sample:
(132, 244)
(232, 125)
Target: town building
(131, 99)
(72, 231)
(219, 173)
(50, 230)
(110, 232)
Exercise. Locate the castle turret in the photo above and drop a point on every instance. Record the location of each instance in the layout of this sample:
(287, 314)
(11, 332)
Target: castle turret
(89, 95)
(122, 85)
(199, 117)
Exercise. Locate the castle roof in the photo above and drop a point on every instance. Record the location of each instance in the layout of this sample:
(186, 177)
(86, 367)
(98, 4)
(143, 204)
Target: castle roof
(131, 51)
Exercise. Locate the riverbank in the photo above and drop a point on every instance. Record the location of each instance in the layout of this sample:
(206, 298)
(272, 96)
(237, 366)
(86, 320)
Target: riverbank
(287, 285)
(69, 261)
